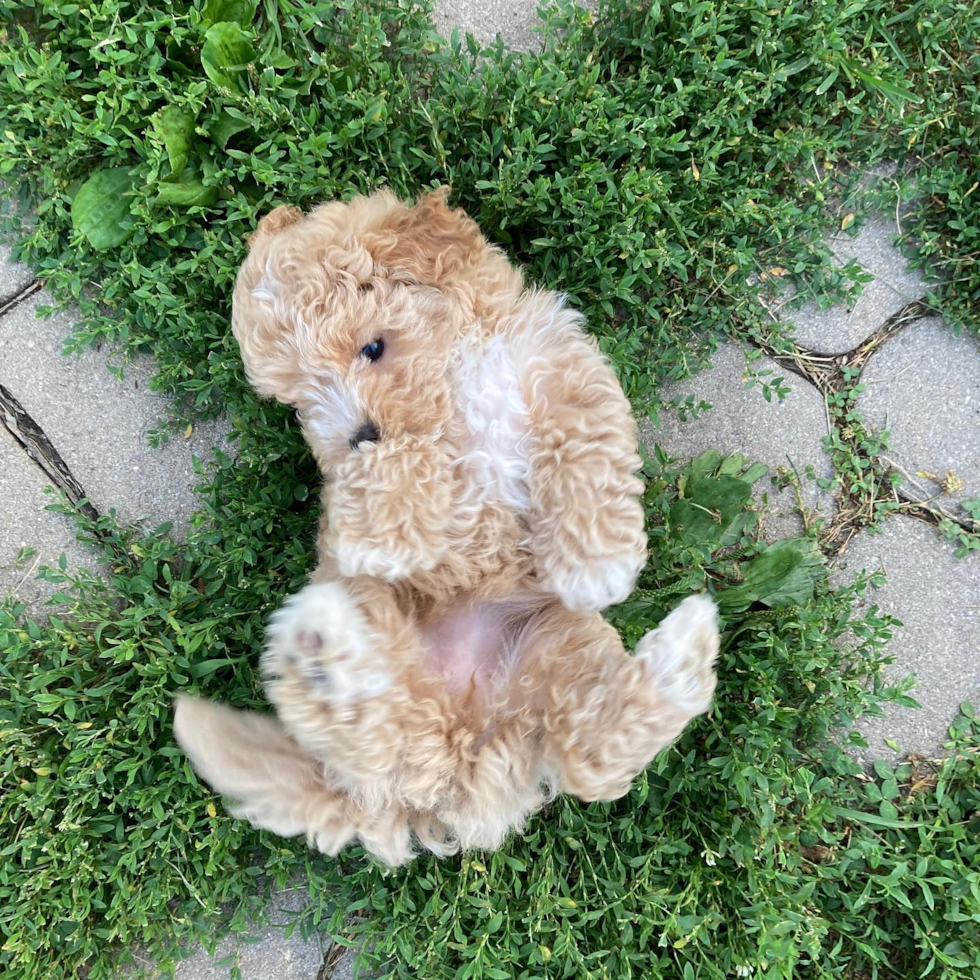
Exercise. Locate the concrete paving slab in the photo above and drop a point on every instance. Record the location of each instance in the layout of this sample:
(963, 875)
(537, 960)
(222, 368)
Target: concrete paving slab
(485, 19)
(937, 598)
(343, 968)
(923, 385)
(14, 276)
(841, 328)
(267, 954)
(779, 434)
(26, 524)
(99, 423)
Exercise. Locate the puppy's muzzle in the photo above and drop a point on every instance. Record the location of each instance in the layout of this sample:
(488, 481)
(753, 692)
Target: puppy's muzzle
(368, 432)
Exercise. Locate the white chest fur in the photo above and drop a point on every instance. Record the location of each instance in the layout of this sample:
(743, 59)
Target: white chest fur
(496, 416)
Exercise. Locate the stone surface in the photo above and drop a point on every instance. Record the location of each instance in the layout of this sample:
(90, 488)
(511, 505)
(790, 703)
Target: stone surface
(780, 434)
(343, 968)
(923, 385)
(937, 598)
(26, 523)
(268, 954)
(841, 328)
(485, 19)
(99, 423)
(14, 276)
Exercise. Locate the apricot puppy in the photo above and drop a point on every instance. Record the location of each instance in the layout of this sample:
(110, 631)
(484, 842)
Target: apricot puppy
(447, 670)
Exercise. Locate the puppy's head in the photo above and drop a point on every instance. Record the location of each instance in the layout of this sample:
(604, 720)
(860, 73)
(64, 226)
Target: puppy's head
(351, 314)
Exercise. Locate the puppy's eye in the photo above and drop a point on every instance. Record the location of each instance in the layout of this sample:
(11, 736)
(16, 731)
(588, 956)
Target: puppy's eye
(374, 350)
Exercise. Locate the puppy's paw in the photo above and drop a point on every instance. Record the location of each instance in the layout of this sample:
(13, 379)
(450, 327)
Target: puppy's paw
(322, 638)
(389, 508)
(681, 653)
(593, 584)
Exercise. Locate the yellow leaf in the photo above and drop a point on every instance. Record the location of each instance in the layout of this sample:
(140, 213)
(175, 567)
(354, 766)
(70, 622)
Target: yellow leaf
(545, 953)
(694, 170)
(953, 482)
(731, 269)
(85, 724)
(212, 812)
(927, 475)
(476, 866)
(976, 184)
(189, 431)
(43, 771)
(681, 943)
(9, 135)
(847, 222)
(776, 271)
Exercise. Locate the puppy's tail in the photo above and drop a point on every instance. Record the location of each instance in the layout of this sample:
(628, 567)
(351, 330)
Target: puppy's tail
(275, 785)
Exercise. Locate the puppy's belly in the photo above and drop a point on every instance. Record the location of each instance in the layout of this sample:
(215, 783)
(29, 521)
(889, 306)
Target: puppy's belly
(471, 645)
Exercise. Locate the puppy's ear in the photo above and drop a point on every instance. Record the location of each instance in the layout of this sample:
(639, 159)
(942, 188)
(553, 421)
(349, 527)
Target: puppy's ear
(274, 222)
(432, 242)
(250, 758)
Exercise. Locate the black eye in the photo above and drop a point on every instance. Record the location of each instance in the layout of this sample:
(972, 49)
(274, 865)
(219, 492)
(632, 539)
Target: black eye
(374, 350)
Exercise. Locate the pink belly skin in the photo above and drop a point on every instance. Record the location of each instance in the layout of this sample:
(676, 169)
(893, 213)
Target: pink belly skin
(468, 645)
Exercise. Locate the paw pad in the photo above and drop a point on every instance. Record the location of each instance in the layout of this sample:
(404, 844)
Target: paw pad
(321, 637)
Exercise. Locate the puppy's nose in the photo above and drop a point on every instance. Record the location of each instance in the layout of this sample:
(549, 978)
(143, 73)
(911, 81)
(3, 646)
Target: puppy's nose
(368, 432)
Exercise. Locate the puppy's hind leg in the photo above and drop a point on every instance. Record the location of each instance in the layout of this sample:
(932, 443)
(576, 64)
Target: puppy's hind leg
(333, 672)
(609, 714)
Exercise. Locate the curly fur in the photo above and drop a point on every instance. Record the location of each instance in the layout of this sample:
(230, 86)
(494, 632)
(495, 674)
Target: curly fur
(447, 670)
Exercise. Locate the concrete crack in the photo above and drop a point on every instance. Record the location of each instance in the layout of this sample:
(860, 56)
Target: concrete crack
(18, 298)
(825, 371)
(16, 420)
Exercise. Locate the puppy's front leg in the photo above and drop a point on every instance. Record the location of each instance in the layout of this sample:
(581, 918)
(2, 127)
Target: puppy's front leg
(388, 508)
(587, 522)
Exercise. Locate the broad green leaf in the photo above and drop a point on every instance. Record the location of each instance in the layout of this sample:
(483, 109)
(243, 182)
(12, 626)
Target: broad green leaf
(710, 505)
(785, 574)
(228, 11)
(279, 59)
(188, 191)
(100, 210)
(225, 127)
(175, 129)
(226, 49)
(731, 465)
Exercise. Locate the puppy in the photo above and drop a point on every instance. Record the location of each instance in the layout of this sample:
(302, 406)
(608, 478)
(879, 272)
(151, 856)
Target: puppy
(447, 670)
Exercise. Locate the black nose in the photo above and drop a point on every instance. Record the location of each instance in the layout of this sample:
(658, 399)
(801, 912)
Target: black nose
(368, 432)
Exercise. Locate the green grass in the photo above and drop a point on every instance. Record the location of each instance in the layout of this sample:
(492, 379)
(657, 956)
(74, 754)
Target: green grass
(647, 165)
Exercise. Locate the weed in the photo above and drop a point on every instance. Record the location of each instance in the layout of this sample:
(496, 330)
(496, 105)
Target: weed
(648, 165)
